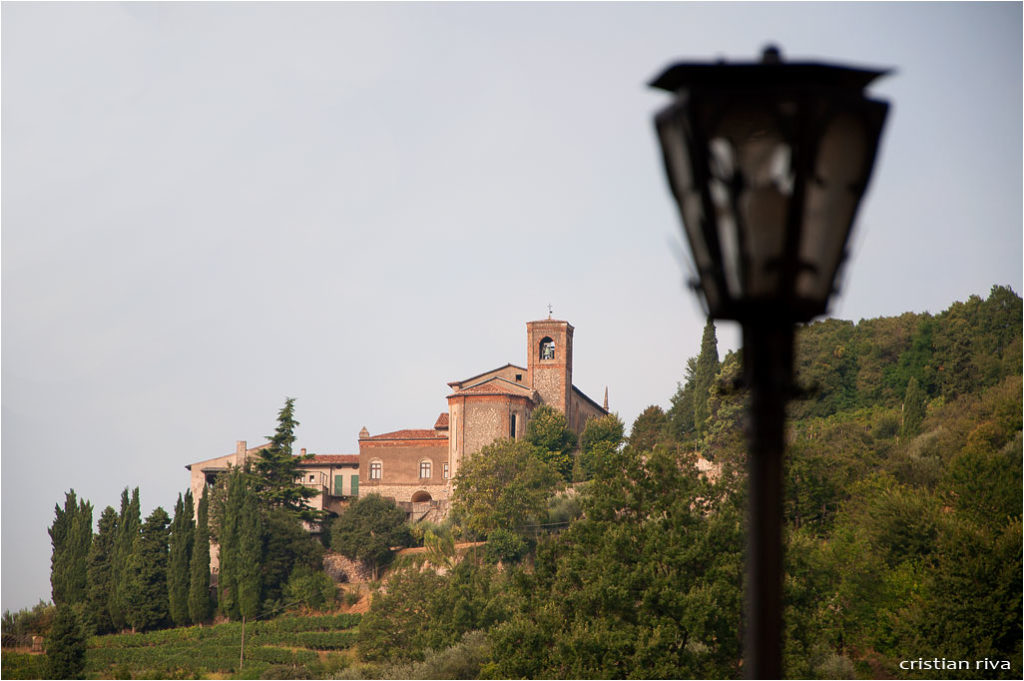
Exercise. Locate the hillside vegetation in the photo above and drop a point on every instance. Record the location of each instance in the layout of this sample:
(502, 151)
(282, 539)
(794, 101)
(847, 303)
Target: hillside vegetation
(614, 556)
(903, 515)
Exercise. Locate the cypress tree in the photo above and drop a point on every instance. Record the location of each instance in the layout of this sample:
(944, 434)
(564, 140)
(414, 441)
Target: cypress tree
(70, 536)
(704, 377)
(146, 574)
(199, 568)
(681, 414)
(99, 575)
(178, 569)
(65, 646)
(249, 555)
(128, 523)
(227, 594)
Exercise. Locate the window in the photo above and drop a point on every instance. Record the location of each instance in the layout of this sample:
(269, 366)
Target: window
(547, 348)
(519, 378)
(424, 470)
(311, 478)
(444, 470)
(376, 468)
(512, 426)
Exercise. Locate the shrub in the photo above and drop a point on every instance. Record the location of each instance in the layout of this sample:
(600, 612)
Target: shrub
(505, 546)
(314, 589)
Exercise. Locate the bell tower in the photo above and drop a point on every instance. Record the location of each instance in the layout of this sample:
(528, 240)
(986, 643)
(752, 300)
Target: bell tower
(549, 363)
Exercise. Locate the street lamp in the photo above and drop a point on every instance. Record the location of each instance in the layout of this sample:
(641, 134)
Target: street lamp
(768, 162)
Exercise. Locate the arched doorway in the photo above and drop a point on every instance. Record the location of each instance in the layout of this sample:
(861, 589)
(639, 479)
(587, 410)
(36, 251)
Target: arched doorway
(420, 497)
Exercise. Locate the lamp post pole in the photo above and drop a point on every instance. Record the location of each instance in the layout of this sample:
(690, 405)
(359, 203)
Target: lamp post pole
(767, 162)
(768, 358)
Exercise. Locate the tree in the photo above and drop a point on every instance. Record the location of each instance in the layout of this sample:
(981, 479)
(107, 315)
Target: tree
(312, 588)
(70, 536)
(66, 644)
(229, 516)
(287, 545)
(178, 568)
(548, 431)
(599, 435)
(704, 376)
(367, 530)
(249, 555)
(649, 429)
(128, 523)
(645, 585)
(99, 575)
(276, 470)
(503, 486)
(146, 574)
(199, 566)
(681, 414)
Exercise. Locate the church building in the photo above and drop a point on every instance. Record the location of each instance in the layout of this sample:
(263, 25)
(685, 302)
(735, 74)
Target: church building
(414, 466)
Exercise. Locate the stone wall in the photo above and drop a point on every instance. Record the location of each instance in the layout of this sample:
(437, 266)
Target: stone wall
(342, 569)
(405, 492)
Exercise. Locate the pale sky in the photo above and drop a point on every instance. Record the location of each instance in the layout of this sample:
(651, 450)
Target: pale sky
(207, 208)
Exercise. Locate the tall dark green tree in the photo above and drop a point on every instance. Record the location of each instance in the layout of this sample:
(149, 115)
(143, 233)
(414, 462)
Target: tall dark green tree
(287, 546)
(99, 576)
(178, 569)
(199, 605)
(276, 471)
(146, 574)
(241, 549)
(70, 536)
(66, 644)
(704, 376)
(249, 557)
(129, 522)
(228, 515)
(681, 414)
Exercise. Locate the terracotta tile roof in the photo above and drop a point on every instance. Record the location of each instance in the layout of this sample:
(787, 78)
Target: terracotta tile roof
(442, 421)
(409, 434)
(320, 459)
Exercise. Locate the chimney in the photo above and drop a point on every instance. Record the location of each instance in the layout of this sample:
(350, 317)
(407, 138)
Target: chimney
(240, 452)
(302, 452)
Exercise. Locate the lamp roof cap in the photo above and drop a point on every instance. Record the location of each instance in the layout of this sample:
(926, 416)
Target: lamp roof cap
(771, 71)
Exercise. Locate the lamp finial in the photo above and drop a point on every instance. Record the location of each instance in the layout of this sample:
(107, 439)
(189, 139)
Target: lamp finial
(771, 55)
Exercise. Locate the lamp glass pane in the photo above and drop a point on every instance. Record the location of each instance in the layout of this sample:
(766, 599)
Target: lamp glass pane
(676, 149)
(761, 177)
(833, 194)
(728, 237)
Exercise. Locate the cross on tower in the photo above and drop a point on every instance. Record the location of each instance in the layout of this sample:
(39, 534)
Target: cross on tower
(549, 310)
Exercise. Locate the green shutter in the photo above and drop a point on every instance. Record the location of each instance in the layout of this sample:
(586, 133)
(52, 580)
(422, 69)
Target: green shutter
(339, 485)
(355, 485)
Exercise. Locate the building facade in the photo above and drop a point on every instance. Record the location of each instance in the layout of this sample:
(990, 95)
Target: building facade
(415, 467)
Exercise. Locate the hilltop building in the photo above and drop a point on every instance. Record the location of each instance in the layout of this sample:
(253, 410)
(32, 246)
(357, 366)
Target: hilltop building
(415, 466)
